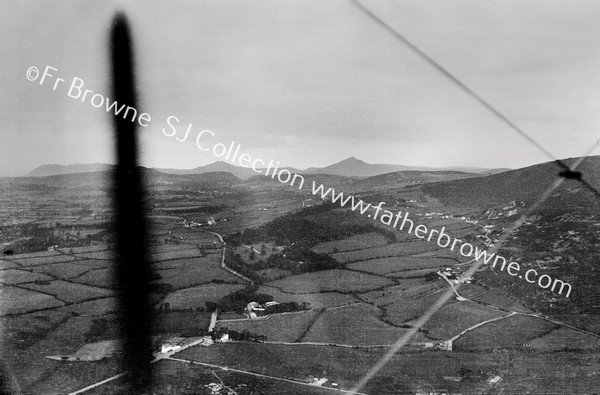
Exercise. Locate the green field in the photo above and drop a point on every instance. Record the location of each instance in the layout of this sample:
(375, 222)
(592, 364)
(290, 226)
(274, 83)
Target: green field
(354, 325)
(196, 297)
(330, 280)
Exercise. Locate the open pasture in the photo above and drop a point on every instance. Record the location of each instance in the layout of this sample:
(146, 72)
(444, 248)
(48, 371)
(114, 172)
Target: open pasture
(553, 373)
(68, 270)
(564, 339)
(408, 289)
(404, 310)
(102, 278)
(354, 325)
(96, 307)
(315, 300)
(496, 298)
(452, 319)
(357, 242)
(43, 260)
(102, 255)
(15, 276)
(17, 300)
(70, 292)
(330, 280)
(7, 265)
(405, 373)
(86, 249)
(39, 254)
(182, 273)
(388, 250)
(411, 274)
(512, 332)
(397, 265)
(183, 252)
(285, 327)
(196, 297)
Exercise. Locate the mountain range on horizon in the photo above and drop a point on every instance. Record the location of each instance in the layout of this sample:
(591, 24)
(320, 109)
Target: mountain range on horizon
(350, 167)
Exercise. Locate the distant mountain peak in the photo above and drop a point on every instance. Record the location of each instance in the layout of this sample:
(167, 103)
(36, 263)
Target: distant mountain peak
(352, 159)
(55, 169)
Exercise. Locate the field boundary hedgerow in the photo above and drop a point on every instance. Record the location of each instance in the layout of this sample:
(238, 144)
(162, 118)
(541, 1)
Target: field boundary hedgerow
(443, 239)
(77, 90)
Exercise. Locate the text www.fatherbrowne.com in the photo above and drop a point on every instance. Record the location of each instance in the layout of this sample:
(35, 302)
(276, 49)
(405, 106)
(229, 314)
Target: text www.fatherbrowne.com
(231, 152)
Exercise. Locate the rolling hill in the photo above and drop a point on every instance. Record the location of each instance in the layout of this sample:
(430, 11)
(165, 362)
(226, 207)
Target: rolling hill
(350, 167)
(353, 167)
(54, 170)
(527, 183)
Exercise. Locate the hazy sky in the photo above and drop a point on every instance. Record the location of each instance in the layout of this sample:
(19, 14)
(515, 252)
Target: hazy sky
(308, 83)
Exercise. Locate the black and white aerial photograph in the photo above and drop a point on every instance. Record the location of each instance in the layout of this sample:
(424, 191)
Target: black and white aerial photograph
(303, 197)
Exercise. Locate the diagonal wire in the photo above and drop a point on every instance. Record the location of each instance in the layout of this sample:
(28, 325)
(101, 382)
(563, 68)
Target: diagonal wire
(457, 82)
(450, 292)
(569, 172)
(578, 176)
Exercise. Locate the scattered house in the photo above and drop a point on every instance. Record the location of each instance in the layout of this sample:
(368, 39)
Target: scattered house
(206, 341)
(251, 308)
(168, 347)
(211, 221)
(224, 338)
(318, 381)
(494, 379)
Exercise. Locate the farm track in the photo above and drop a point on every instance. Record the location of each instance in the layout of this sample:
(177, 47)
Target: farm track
(338, 390)
(511, 314)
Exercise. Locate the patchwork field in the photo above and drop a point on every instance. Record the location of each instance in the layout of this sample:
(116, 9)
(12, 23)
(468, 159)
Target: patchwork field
(419, 372)
(286, 327)
(15, 276)
(330, 280)
(70, 292)
(511, 332)
(183, 273)
(402, 311)
(17, 300)
(565, 339)
(102, 278)
(396, 265)
(451, 320)
(388, 250)
(69, 270)
(196, 297)
(315, 300)
(43, 260)
(354, 325)
(365, 240)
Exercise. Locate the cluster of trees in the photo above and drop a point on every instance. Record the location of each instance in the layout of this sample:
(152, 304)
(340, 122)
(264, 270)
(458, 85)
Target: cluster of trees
(286, 307)
(299, 259)
(301, 227)
(238, 300)
(237, 263)
(299, 231)
(244, 335)
(39, 238)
